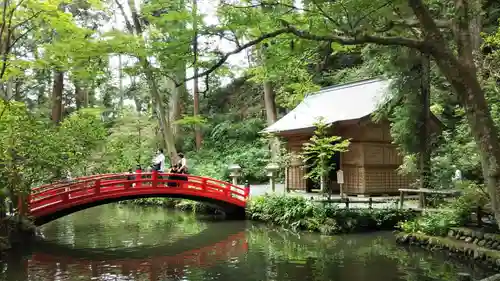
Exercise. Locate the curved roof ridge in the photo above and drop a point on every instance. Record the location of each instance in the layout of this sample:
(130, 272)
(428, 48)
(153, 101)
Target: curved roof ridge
(347, 85)
(343, 102)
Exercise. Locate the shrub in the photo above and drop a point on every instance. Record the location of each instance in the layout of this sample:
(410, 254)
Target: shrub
(455, 213)
(437, 223)
(299, 213)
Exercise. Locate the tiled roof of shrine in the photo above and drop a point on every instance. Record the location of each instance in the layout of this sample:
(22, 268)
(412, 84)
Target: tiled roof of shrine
(337, 103)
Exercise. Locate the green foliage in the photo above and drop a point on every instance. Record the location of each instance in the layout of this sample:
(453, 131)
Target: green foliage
(455, 213)
(191, 120)
(33, 151)
(131, 142)
(227, 141)
(433, 224)
(320, 149)
(299, 213)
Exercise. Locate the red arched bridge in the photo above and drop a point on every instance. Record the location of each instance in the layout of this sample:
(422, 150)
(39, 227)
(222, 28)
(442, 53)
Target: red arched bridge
(49, 202)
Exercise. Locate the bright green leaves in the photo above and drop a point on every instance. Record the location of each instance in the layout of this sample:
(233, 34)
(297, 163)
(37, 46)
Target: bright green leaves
(35, 152)
(321, 148)
(188, 120)
(130, 142)
(339, 48)
(51, 37)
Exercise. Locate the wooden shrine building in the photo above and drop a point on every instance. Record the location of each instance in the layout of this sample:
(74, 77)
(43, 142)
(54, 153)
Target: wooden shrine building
(370, 165)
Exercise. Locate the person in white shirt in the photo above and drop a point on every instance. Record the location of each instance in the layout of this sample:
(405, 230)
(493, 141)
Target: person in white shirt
(457, 177)
(159, 161)
(182, 164)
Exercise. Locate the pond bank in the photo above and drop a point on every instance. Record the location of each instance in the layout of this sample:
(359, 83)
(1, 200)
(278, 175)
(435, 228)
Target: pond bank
(478, 247)
(299, 213)
(14, 232)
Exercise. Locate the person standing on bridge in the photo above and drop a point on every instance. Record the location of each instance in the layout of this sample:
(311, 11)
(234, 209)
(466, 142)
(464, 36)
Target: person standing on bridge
(182, 164)
(159, 161)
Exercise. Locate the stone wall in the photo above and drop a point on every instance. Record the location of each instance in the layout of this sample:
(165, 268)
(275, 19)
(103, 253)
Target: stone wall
(479, 238)
(460, 249)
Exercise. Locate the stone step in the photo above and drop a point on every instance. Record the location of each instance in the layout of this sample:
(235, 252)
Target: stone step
(477, 237)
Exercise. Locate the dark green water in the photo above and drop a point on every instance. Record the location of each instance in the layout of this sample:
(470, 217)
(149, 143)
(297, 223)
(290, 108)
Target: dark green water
(116, 242)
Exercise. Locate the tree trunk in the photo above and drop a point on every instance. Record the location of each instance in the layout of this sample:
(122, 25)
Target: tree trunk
(165, 126)
(465, 83)
(43, 78)
(174, 103)
(138, 105)
(270, 103)
(9, 89)
(81, 98)
(461, 73)
(475, 27)
(168, 137)
(196, 92)
(196, 110)
(17, 90)
(271, 117)
(57, 97)
(120, 82)
(425, 122)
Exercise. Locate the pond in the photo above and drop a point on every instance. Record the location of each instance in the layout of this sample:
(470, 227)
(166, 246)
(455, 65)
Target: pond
(124, 242)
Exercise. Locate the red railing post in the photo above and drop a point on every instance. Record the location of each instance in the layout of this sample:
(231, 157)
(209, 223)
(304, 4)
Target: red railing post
(154, 178)
(65, 195)
(204, 184)
(247, 189)
(128, 183)
(97, 187)
(138, 177)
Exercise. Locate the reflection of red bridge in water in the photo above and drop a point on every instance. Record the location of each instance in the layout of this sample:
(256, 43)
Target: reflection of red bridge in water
(53, 201)
(232, 247)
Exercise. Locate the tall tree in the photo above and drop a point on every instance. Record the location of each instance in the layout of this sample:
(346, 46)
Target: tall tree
(134, 27)
(196, 90)
(57, 96)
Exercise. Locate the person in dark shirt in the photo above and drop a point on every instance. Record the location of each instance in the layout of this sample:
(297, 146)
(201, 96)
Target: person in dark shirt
(130, 175)
(172, 176)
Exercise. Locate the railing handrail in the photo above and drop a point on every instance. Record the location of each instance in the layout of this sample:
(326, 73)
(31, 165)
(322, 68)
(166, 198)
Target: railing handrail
(91, 178)
(64, 182)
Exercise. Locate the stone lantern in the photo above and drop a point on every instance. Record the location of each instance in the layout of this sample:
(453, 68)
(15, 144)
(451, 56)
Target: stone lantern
(235, 172)
(272, 169)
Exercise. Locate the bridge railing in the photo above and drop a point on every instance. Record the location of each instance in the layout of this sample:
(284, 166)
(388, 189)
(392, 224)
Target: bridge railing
(148, 182)
(63, 183)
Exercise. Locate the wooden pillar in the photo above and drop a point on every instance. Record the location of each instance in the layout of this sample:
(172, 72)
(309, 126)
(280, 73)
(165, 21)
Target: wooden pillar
(401, 199)
(287, 189)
